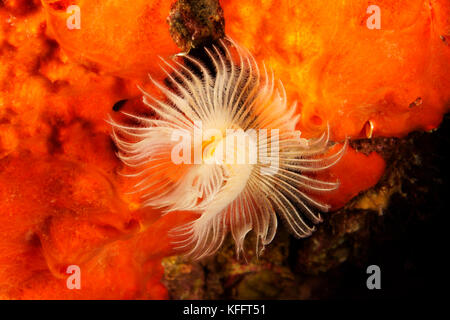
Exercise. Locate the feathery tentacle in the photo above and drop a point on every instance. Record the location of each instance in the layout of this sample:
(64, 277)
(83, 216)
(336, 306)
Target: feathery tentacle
(229, 196)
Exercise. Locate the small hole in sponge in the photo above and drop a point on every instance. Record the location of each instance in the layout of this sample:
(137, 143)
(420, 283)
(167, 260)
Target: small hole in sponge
(61, 5)
(119, 104)
(316, 120)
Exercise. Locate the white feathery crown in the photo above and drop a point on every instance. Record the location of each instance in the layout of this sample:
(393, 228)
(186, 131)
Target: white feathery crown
(228, 196)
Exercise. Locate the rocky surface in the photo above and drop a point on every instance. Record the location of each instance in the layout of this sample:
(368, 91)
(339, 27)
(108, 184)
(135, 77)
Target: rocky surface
(194, 23)
(396, 225)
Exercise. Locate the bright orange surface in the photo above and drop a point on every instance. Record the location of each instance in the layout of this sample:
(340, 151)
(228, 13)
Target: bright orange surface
(62, 200)
(345, 74)
(355, 172)
(122, 37)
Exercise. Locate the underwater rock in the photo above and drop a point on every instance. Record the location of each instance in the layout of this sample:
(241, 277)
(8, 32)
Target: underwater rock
(194, 23)
(396, 224)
